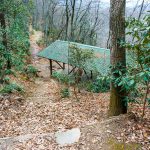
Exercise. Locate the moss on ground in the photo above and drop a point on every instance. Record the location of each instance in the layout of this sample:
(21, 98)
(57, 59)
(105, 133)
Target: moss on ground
(115, 145)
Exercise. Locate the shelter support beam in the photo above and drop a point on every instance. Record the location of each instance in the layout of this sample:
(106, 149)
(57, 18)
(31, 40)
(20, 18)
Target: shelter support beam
(64, 66)
(91, 74)
(72, 70)
(86, 74)
(51, 67)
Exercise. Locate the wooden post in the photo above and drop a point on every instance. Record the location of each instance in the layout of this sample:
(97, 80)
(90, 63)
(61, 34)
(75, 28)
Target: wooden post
(86, 73)
(51, 67)
(64, 66)
(91, 74)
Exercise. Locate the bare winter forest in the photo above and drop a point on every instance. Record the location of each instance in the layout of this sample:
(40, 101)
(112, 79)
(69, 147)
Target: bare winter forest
(85, 21)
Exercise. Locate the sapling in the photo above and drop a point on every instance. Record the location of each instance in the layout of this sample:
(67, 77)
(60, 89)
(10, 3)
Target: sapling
(79, 58)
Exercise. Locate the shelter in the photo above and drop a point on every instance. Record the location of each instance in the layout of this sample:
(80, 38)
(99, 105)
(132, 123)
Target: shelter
(58, 51)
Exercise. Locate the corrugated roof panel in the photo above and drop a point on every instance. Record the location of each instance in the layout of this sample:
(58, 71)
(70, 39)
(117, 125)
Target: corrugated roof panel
(59, 51)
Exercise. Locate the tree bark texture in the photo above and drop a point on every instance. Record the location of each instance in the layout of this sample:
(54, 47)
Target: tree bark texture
(118, 55)
(67, 19)
(72, 20)
(4, 38)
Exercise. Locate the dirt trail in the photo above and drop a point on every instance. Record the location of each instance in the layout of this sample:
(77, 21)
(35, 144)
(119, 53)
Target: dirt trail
(42, 92)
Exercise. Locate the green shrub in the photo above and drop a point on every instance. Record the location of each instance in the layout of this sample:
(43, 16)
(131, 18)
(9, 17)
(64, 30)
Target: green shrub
(6, 79)
(17, 31)
(30, 71)
(61, 77)
(9, 72)
(10, 88)
(101, 84)
(65, 93)
(134, 96)
(32, 32)
(40, 42)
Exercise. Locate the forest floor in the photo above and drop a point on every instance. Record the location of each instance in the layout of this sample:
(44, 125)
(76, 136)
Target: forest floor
(30, 122)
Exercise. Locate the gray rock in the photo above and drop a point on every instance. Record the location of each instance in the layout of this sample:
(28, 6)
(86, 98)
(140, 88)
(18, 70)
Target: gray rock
(68, 137)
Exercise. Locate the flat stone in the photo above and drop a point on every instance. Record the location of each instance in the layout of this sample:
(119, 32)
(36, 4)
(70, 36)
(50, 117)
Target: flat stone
(68, 137)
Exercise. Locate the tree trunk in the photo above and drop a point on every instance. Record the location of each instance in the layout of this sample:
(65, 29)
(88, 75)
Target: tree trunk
(67, 19)
(72, 20)
(118, 104)
(4, 39)
(140, 13)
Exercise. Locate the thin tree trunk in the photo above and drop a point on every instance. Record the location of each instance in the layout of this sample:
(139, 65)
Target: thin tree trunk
(72, 20)
(118, 56)
(4, 40)
(136, 6)
(67, 19)
(145, 99)
(141, 10)
(36, 16)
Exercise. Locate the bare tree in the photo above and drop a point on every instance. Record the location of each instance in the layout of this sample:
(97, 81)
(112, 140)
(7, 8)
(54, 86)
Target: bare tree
(73, 3)
(69, 20)
(140, 13)
(35, 15)
(135, 8)
(139, 9)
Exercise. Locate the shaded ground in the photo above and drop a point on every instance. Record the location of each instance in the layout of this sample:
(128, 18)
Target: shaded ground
(31, 123)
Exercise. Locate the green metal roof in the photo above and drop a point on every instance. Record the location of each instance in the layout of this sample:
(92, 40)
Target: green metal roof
(58, 51)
